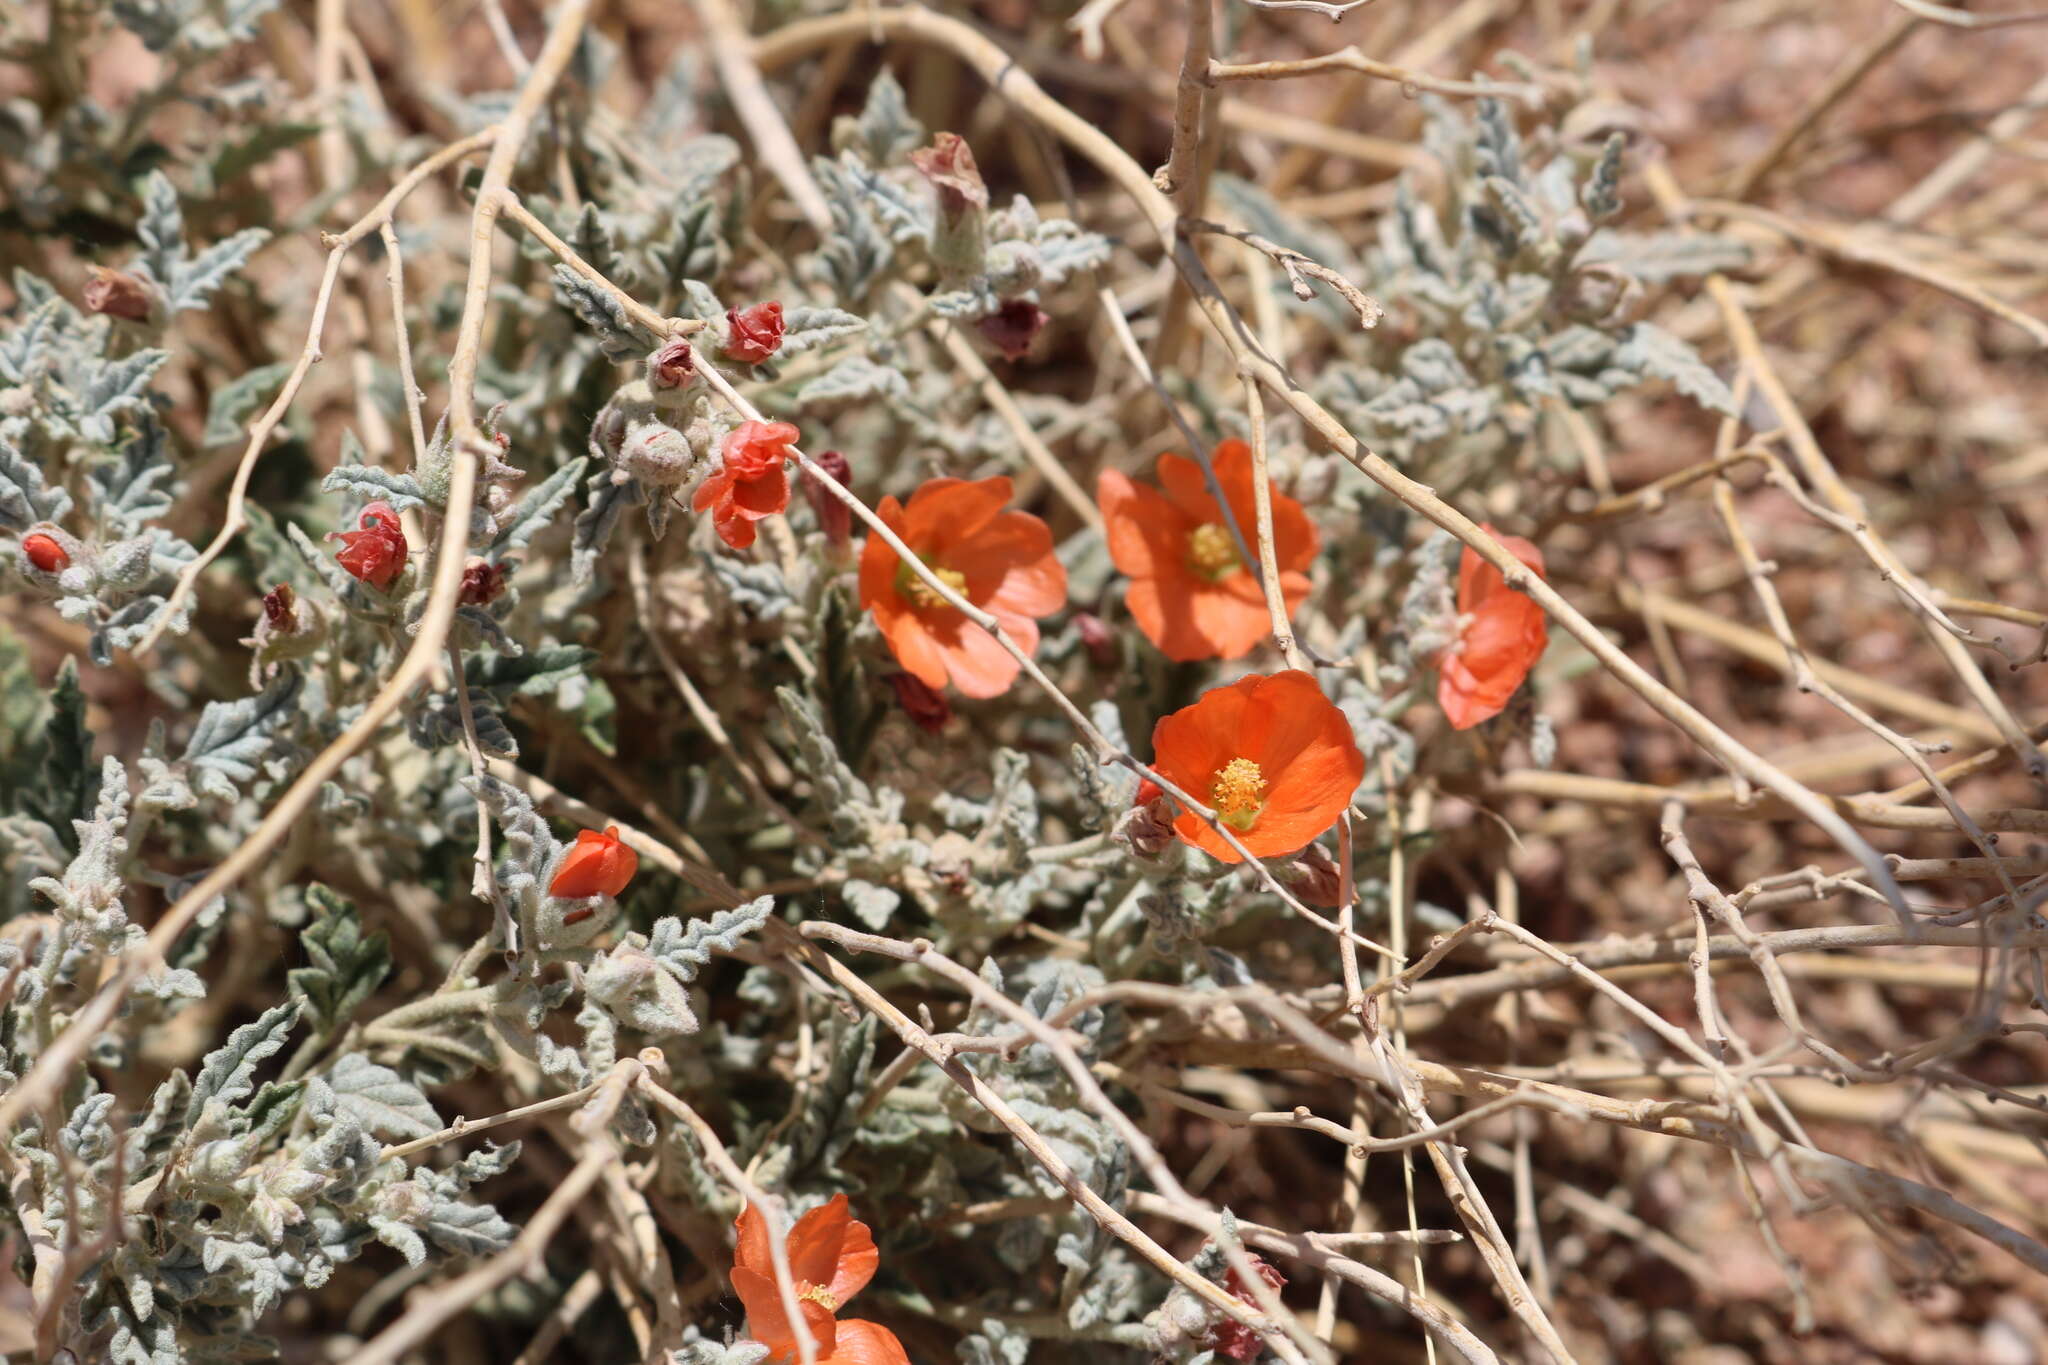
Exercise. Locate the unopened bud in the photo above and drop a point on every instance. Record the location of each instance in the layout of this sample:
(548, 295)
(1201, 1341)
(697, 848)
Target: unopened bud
(118, 294)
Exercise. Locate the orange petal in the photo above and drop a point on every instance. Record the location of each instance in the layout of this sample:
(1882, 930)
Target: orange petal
(1146, 531)
(1012, 560)
(1189, 491)
(1231, 622)
(752, 1253)
(944, 512)
(911, 640)
(979, 666)
(878, 561)
(814, 1241)
(764, 496)
(867, 1343)
(1163, 608)
(715, 486)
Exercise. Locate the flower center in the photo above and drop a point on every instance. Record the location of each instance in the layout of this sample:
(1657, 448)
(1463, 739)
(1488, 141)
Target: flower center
(919, 593)
(818, 1293)
(1212, 553)
(1238, 791)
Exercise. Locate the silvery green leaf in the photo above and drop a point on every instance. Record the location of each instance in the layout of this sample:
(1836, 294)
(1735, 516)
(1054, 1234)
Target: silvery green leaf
(886, 130)
(195, 280)
(618, 336)
(536, 510)
(1655, 257)
(367, 483)
(853, 380)
(695, 246)
(127, 489)
(470, 1229)
(233, 739)
(228, 1073)
(806, 327)
(402, 1239)
(152, 1138)
(162, 229)
(232, 403)
(681, 951)
(481, 627)
(1602, 193)
(435, 722)
(380, 1099)
(346, 963)
(757, 589)
(115, 388)
(1499, 145)
(700, 300)
(696, 165)
(24, 498)
(536, 673)
(872, 905)
(121, 629)
(596, 522)
(1650, 350)
(719, 1353)
(825, 1126)
(1064, 249)
(486, 1162)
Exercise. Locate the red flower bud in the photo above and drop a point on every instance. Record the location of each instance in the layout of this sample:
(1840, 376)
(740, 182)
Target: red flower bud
(1096, 639)
(279, 608)
(375, 552)
(45, 553)
(835, 518)
(1231, 1338)
(481, 583)
(1013, 327)
(117, 294)
(1146, 829)
(922, 704)
(595, 865)
(753, 334)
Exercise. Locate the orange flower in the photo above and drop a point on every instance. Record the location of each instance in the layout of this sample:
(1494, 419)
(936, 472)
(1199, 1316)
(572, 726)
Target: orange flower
(1191, 592)
(1501, 634)
(596, 865)
(831, 1258)
(1000, 561)
(749, 483)
(1271, 754)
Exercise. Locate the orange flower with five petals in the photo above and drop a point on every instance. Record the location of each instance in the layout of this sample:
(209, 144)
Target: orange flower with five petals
(831, 1258)
(1000, 561)
(1501, 635)
(1191, 591)
(1270, 753)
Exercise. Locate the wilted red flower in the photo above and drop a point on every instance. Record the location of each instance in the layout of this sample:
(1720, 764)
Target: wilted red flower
(45, 552)
(1013, 327)
(1000, 561)
(672, 366)
(923, 705)
(481, 583)
(1501, 635)
(280, 608)
(595, 865)
(835, 518)
(750, 482)
(375, 552)
(1271, 754)
(831, 1259)
(753, 334)
(949, 164)
(117, 294)
(1228, 1336)
(1191, 591)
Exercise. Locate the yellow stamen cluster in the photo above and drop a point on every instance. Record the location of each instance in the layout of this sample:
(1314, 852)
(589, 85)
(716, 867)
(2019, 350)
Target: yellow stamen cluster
(1238, 791)
(819, 1294)
(1212, 553)
(919, 593)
